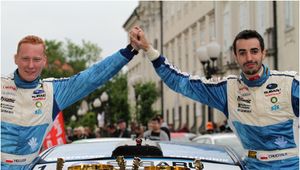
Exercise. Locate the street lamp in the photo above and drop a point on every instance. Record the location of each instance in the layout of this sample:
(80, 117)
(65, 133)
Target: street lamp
(73, 118)
(205, 54)
(104, 98)
(97, 103)
(84, 108)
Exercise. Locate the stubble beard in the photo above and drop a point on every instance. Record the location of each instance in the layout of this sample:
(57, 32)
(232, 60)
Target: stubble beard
(253, 71)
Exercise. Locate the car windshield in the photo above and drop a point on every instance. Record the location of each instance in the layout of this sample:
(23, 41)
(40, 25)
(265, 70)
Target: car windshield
(193, 150)
(81, 151)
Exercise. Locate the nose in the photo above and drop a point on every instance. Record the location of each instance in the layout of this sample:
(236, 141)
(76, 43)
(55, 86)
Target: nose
(30, 64)
(249, 56)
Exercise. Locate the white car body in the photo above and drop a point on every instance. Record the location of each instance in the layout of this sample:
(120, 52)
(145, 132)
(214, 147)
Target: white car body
(229, 139)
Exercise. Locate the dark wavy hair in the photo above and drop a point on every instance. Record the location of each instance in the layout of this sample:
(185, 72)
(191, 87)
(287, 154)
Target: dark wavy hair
(247, 34)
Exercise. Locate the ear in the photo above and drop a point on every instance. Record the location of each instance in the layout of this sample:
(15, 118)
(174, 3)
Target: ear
(15, 58)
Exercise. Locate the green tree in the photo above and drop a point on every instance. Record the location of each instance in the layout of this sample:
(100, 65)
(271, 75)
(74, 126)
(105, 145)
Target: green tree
(81, 57)
(89, 120)
(118, 106)
(146, 94)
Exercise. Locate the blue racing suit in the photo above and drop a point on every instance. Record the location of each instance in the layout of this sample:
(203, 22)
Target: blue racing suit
(263, 113)
(28, 109)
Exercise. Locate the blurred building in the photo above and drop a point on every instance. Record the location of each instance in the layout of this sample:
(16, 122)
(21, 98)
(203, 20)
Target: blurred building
(179, 28)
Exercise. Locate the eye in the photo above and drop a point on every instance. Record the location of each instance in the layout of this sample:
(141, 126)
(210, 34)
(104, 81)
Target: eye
(242, 53)
(25, 58)
(254, 51)
(37, 59)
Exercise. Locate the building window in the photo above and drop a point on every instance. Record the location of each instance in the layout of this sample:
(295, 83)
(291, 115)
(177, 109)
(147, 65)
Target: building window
(244, 15)
(195, 115)
(226, 27)
(179, 116)
(178, 10)
(288, 15)
(155, 43)
(173, 52)
(179, 47)
(186, 50)
(194, 47)
(168, 118)
(173, 116)
(260, 17)
(212, 26)
(167, 50)
(202, 31)
(187, 109)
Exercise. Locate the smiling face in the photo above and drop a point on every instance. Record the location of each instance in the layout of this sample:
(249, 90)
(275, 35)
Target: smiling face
(30, 60)
(249, 55)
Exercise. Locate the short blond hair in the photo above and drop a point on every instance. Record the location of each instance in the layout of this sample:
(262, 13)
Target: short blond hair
(31, 39)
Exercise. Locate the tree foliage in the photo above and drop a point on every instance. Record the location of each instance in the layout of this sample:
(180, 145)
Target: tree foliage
(146, 95)
(118, 106)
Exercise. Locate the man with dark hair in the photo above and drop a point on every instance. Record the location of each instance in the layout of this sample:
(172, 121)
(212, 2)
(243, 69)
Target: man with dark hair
(164, 126)
(29, 104)
(261, 105)
(156, 133)
(122, 131)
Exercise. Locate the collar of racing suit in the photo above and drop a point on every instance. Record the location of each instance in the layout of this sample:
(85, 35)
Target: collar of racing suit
(256, 83)
(25, 84)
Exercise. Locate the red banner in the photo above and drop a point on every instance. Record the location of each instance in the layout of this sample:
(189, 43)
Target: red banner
(57, 135)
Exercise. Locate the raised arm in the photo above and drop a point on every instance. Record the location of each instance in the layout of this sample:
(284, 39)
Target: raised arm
(69, 90)
(210, 92)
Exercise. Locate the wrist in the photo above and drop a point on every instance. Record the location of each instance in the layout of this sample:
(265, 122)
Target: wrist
(128, 52)
(132, 50)
(151, 53)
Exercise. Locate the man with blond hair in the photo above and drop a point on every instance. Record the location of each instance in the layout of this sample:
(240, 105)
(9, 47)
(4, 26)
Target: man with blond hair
(30, 104)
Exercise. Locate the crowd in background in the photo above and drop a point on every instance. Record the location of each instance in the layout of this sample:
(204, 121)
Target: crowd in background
(156, 129)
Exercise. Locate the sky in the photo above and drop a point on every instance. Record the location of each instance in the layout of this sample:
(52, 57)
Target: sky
(100, 22)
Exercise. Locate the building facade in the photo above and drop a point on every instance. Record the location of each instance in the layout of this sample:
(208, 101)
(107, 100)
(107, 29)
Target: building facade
(179, 28)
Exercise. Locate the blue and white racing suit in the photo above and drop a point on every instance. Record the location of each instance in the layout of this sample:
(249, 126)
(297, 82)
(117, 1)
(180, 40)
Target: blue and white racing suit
(28, 109)
(263, 113)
